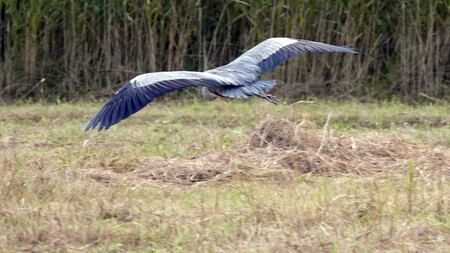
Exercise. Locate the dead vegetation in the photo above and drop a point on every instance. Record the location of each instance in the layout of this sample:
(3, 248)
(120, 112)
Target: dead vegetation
(158, 183)
(281, 149)
(308, 149)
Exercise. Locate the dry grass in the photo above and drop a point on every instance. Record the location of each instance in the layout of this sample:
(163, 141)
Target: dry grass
(243, 181)
(281, 149)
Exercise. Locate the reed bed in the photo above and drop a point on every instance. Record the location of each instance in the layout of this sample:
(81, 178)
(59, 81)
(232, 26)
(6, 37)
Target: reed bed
(67, 49)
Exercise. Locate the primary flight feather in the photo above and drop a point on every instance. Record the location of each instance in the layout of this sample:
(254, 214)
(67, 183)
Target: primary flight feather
(238, 79)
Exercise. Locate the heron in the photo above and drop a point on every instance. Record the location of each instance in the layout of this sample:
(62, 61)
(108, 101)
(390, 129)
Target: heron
(237, 79)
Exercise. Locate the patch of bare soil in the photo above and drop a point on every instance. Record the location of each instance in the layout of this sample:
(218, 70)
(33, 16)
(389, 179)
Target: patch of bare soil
(280, 149)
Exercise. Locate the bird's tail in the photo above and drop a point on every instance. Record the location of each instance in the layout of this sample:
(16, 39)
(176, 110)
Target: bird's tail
(259, 88)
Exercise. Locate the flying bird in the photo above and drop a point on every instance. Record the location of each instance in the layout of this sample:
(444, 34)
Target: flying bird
(237, 79)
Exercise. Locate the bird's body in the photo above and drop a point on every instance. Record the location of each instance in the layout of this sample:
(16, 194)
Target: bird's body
(238, 79)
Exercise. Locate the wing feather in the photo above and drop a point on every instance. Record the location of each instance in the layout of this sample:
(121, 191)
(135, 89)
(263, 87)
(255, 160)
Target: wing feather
(141, 90)
(274, 51)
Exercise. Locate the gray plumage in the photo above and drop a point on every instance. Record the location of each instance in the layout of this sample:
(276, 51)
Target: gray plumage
(238, 79)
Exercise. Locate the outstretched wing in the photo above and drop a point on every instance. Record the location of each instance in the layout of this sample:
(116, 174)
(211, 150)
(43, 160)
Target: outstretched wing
(274, 51)
(141, 90)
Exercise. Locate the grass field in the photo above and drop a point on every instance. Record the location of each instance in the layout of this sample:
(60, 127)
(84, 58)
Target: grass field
(226, 176)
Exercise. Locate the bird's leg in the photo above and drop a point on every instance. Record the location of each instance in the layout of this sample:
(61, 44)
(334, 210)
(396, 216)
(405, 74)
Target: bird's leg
(269, 98)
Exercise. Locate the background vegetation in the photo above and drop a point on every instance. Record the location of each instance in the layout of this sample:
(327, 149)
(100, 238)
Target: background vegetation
(222, 176)
(91, 47)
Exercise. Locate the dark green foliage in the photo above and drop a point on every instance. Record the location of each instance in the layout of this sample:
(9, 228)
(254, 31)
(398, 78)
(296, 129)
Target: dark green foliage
(92, 47)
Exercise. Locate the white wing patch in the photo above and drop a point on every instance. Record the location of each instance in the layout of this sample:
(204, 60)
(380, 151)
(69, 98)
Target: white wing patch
(156, 77)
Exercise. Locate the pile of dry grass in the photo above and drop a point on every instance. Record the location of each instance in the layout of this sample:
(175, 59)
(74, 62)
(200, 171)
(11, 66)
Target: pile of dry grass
(280, 149)
(306, 148)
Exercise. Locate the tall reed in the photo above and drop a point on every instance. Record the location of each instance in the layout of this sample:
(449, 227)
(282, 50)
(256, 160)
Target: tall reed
(92, 47)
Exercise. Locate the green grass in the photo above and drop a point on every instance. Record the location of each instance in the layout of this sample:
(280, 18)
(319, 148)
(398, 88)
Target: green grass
(66, 190)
